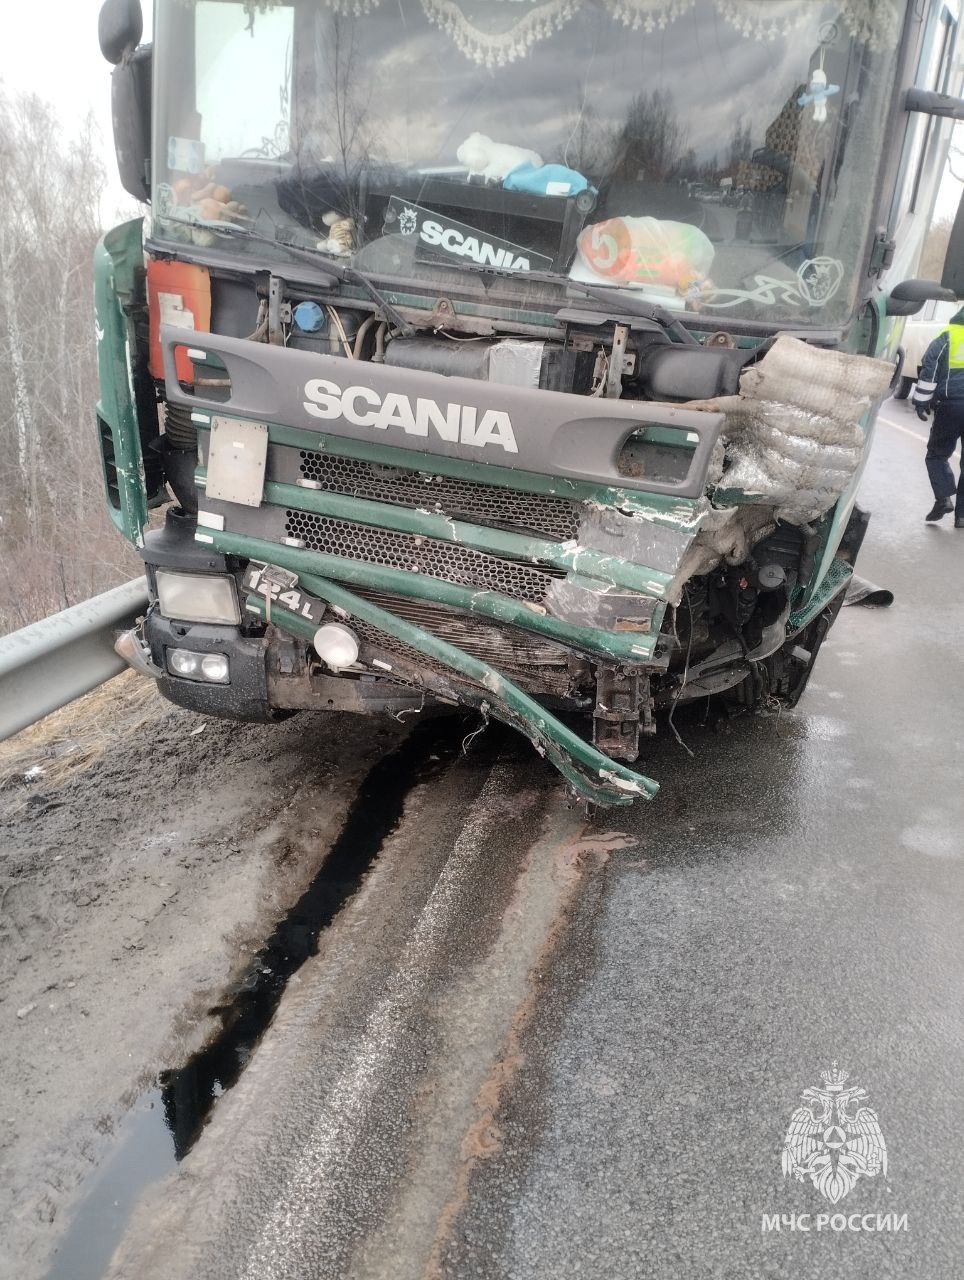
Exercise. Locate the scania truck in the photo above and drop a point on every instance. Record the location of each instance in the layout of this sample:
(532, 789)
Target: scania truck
(434, 374)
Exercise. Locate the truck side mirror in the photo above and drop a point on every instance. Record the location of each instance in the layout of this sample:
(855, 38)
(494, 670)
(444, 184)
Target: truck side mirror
(119, 28)
(130, 102)
(953, 277)
(907, 298)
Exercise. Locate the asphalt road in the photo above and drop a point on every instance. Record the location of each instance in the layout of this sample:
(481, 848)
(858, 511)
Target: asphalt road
(528, 1051)
(801, 903)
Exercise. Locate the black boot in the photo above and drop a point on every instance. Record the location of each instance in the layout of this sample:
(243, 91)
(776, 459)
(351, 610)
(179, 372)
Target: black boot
(959, 522)
(942, 507)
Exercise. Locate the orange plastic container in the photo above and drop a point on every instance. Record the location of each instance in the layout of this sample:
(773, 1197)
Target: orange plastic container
(178, 293)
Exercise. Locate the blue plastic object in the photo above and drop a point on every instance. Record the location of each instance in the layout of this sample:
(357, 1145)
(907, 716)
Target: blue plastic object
(309, 317)
(537, 180)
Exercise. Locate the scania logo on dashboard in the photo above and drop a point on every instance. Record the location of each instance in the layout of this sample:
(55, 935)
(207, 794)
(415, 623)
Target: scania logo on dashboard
(438, 238)
(456, 423)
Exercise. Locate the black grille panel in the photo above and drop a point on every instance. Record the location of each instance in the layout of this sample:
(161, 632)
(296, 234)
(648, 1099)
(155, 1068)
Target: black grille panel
(445, 560)
(547, 517)
(529, 659)
(414, 658)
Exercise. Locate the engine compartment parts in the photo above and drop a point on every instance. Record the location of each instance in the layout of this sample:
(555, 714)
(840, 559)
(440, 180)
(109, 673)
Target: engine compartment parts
(593, 775)
(513, 362)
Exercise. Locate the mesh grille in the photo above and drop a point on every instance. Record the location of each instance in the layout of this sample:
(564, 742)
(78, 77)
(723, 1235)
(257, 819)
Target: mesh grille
(419, 661)
(836, 575)
(444, 560)
(532, 661)
(460, 499)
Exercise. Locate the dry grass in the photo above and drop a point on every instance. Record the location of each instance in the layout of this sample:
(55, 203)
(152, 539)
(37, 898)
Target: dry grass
(72, 739)
(37, 580)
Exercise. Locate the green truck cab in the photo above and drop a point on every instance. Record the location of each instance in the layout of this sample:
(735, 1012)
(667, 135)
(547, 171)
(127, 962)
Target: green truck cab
(456, 385)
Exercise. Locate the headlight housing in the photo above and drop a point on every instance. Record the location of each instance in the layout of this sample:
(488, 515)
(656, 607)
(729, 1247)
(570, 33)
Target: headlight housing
(215, 668)
(196, 597)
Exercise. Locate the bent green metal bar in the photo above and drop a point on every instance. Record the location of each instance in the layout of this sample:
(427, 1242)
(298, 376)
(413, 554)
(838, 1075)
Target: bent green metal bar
(593, 775)
(619, 646)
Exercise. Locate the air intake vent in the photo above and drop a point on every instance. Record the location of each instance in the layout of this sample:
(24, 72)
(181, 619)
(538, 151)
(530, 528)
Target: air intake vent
(554, 518)
(437, 559)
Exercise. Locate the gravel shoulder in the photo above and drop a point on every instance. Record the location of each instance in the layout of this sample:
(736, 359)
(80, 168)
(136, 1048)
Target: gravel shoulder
(135, 886)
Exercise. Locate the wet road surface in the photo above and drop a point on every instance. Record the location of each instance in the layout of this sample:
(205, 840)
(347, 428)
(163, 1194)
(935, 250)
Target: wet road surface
(529, 1048)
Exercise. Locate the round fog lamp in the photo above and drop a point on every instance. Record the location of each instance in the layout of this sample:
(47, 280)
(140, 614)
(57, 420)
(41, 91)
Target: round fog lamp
(214, 666)
(336, 645)
(182, 662)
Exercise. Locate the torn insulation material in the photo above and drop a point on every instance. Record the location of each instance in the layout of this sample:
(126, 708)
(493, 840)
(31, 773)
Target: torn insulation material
(792, 441)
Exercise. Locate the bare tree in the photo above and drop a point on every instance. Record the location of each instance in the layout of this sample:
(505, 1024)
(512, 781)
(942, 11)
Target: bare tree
(653, 140)
(590, 141)
(56, 544)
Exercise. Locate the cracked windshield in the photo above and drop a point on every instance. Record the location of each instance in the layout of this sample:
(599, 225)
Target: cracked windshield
(711, 155)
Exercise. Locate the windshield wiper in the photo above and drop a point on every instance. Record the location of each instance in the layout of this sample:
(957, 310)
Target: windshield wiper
(347, 274)
(635, 306)
(628, 302)
(340, 271)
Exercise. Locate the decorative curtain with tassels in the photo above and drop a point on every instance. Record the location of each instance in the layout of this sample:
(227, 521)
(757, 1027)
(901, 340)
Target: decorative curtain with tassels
(510, 28)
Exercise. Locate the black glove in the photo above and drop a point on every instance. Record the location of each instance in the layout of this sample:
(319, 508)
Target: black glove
(923, 410)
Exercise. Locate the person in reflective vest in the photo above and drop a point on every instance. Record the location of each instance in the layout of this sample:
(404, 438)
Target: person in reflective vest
(940, 389)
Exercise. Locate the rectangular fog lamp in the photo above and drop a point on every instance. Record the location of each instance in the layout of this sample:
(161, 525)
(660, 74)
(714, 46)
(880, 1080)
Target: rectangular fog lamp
(193, 597)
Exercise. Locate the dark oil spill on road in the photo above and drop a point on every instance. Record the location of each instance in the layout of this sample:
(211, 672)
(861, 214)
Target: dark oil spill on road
(190, 1092)
(167, 1119)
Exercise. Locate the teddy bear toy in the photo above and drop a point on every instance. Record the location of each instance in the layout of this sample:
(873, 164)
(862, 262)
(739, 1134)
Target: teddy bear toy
(493, 161)
(341, 233)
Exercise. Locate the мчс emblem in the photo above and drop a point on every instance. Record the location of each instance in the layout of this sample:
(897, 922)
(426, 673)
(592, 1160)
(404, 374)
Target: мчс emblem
(833, 1139)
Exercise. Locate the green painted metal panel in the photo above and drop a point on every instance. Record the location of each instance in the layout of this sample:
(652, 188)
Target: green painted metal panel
(659, 508)
(833, 581)
(591, 564)
(117, 256)
(632, 647)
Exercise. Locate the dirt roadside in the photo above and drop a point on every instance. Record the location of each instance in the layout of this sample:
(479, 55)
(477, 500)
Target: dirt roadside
(134, 888)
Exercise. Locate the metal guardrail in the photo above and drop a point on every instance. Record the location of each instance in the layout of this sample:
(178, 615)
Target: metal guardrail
(52, 662)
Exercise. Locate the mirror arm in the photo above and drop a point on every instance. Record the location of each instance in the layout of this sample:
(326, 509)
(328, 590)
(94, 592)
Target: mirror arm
(907, 298)
(900, 307)
(934, 104)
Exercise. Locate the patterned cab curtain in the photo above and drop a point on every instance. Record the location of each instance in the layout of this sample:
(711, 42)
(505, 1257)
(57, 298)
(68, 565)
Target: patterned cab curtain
(495, 34)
